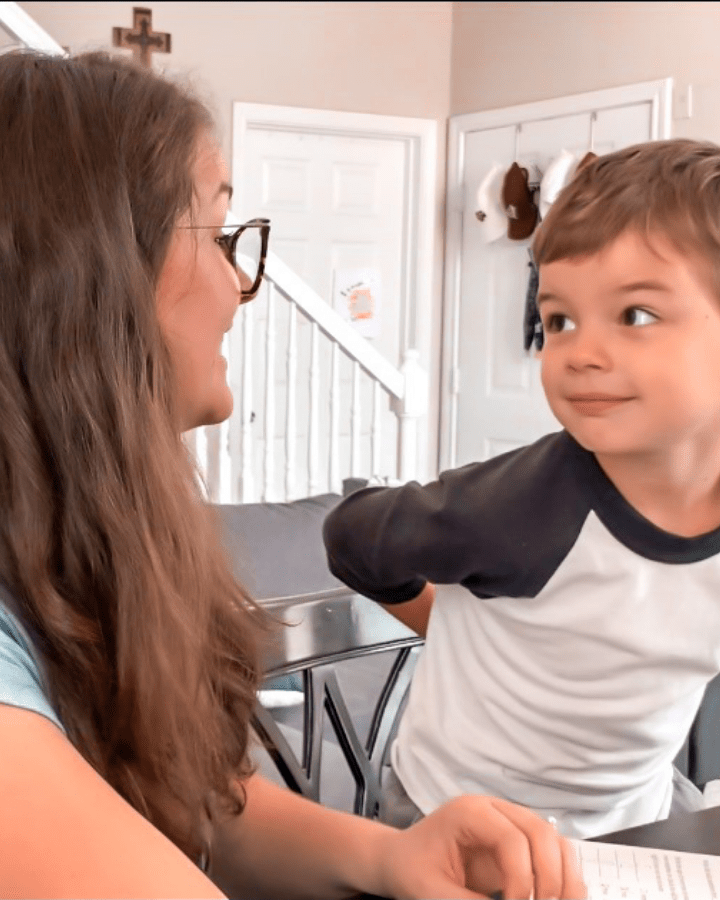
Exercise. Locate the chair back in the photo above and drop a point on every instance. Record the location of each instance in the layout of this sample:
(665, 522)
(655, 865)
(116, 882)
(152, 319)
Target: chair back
(324, 630)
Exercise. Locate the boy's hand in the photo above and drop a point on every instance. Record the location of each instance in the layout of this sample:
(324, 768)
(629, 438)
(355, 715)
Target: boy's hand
(475, 846)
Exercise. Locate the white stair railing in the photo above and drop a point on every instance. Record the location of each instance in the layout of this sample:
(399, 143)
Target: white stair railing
(326, 421)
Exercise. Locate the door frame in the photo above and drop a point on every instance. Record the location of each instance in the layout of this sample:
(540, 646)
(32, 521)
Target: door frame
(420, 139)
(658, 93)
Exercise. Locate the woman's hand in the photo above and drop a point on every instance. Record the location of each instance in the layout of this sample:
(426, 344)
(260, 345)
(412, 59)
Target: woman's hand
(475, 846)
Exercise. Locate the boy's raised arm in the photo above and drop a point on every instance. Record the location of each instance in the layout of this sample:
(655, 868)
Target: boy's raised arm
(415, 613)
(381, 541)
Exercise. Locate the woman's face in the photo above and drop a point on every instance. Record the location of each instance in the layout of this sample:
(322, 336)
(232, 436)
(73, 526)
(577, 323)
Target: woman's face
(198, 295)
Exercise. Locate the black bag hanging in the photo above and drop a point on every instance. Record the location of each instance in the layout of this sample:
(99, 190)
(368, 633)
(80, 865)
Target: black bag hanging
(532, 325)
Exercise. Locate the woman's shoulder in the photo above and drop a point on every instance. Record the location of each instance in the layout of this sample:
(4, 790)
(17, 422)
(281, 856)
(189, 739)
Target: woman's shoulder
(65, 832)
(63, 829)
(21, 679)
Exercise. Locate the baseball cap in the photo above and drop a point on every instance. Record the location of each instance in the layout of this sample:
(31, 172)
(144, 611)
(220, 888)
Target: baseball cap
(586, 160)
(520, 209)
(557, 175)
(488, 208)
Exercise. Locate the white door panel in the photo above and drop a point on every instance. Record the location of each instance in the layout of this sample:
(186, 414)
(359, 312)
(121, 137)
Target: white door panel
(335, 203)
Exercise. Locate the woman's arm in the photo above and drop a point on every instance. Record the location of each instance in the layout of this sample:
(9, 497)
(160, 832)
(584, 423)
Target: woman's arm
(283, 845)
(64, 832)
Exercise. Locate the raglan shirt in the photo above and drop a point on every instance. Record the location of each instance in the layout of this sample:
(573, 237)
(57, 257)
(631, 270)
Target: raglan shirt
(21, 681)
(569, 644)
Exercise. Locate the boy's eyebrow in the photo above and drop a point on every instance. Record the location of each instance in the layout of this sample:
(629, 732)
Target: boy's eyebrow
(544, 296)
(648, 285)
(630, 288)
(225, 188)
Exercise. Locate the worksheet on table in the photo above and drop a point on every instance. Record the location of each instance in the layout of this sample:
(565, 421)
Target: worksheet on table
(618, 872)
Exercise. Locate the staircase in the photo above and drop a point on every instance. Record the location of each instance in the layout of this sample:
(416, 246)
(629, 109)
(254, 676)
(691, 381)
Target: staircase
(299, 428)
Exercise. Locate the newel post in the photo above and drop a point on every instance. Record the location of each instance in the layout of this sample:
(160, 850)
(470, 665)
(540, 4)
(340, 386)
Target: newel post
(409, 410)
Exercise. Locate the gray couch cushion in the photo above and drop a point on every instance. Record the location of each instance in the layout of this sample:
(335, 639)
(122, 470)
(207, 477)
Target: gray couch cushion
(276, 549)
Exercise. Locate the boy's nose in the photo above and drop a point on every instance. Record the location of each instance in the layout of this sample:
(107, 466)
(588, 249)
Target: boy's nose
(589, 349)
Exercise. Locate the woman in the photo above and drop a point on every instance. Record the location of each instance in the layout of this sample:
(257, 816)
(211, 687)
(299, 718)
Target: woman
(128, 654)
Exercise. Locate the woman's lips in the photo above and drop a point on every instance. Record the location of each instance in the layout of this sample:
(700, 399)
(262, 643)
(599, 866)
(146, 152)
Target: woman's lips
(595, 404)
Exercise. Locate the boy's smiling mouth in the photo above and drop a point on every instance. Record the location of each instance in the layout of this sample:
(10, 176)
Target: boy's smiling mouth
(595, 404)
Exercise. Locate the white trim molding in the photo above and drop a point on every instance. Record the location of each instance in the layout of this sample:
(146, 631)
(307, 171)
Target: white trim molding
(26, 30)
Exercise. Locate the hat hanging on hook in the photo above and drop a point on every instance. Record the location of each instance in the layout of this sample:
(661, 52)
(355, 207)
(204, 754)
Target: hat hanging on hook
(488, 206)
(588, 158)
(520, 208)
(557, 175)
(564, 168)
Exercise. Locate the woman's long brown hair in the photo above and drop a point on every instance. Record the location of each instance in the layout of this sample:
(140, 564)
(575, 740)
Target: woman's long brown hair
(150, 646)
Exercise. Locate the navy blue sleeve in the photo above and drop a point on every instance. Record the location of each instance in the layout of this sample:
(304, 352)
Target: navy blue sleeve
(499, 527)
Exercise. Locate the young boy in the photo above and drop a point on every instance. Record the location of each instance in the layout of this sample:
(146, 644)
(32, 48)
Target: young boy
(577, 614)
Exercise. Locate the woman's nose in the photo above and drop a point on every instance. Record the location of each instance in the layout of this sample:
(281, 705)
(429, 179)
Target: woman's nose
(245, 285)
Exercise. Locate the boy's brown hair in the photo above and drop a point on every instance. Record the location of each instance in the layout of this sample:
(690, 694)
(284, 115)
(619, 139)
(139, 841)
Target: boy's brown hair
(668, 189)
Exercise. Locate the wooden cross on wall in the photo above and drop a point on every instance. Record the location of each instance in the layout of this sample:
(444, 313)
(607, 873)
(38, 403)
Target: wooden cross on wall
(141, 39)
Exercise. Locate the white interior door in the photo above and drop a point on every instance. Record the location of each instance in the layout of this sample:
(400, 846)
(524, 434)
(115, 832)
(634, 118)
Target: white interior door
(492, 398)
(336, 203)
(345, 192)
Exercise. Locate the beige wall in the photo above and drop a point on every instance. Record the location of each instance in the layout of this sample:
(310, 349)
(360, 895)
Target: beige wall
(373, 57)
(508, 53)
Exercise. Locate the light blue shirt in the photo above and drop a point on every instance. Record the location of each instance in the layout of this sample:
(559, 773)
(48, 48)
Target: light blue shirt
(21, 681)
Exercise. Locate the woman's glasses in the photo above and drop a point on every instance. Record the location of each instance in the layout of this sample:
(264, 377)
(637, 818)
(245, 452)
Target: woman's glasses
(246, 249)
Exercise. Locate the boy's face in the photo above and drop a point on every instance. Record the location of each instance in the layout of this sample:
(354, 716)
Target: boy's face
(631, 359)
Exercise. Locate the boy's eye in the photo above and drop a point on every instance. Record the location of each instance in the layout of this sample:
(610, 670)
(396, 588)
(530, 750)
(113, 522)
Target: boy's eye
(636, 316)
(558, 322)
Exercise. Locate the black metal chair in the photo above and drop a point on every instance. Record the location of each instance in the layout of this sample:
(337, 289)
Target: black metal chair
(324, 630)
